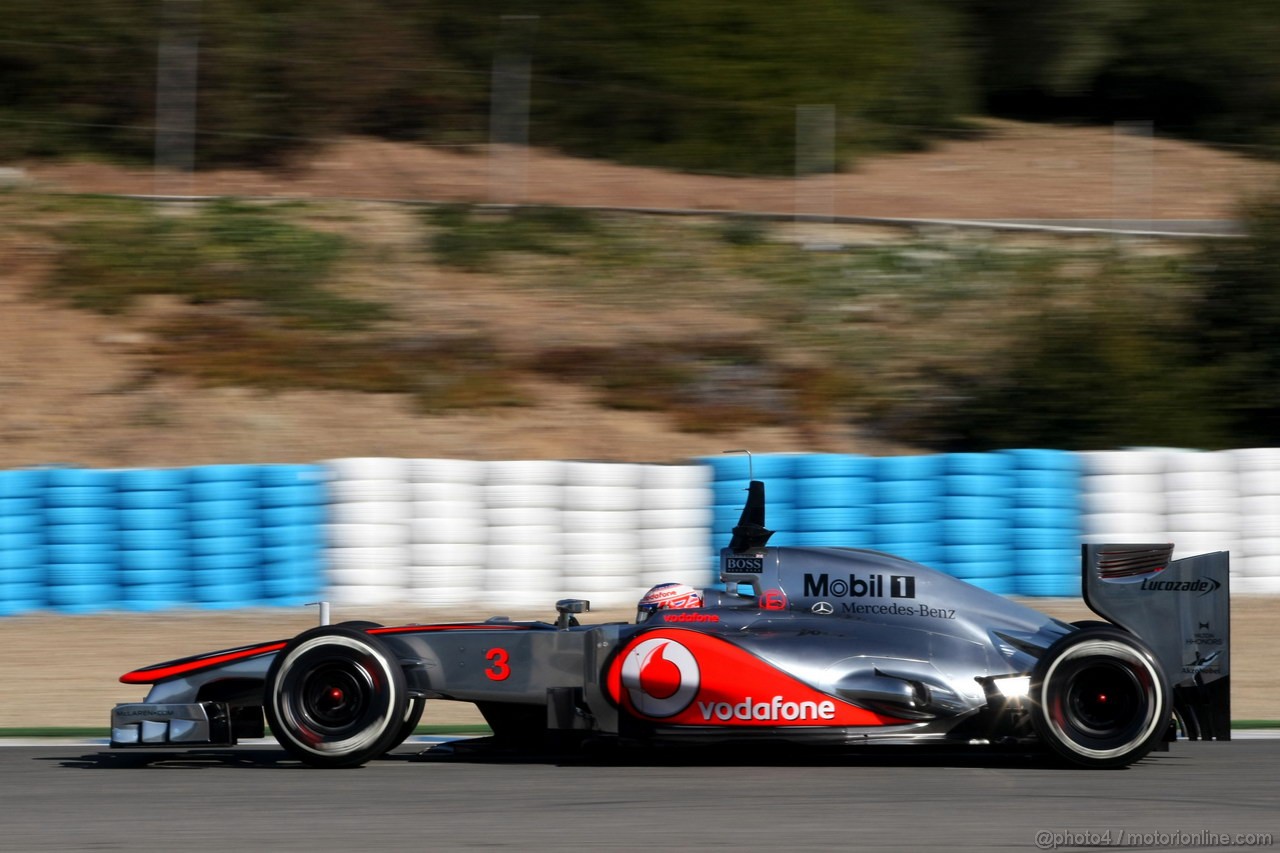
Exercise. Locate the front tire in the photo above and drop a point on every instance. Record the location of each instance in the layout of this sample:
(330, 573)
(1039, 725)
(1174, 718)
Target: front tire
(336, 697)
(1100, 698)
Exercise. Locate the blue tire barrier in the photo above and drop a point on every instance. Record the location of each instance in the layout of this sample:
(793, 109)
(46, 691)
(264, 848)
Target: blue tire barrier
(222, 528)
(1046, 479)
(215, 473)
(205, 566)
(80, 574)
(309, 552)
(14, 559)
(292, 475)
(145, 577)
(61, 515)
(288, 516)
(929, 554)
(151, 500)
(924, 532)
(201, 510)
(771, 466)
(836, 465)
(165, 518)
(1059, 586)
(288, 588)
(991, 568)
(72, 554)
(964, 554)
(729, 466)
(33, 573)
(1051, 518)
(81, 534)
(822, 492)
(21, 484)
(975, 531)
(908, 468)
(81, 598)
(904, 513)
(246, 575)
(1050, 561)
(973, 506)
(293, 496)
(167, 539)
(907, 491)
(1035, 539)
(173, 561)
(153, 597)
(998, 585)
(978, 485)
(79, 478)
(80, 496)
(20, 524)
(1043, 459)
(222, 490)
(295, 535)
(19, 598)
(152, 479)
(22, 541)
(776, 493)
(27, 505)
(835, 539)
(976, 464)
(832, 518)
(1040, 498)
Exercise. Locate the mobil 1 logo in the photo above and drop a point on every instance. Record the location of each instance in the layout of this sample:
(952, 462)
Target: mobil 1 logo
(853, 586)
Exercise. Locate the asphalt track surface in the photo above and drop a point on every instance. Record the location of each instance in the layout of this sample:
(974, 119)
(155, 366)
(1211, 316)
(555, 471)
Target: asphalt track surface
(87, 797)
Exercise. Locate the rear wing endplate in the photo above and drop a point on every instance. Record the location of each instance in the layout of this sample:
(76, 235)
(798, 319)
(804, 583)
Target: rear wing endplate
(1182, 610)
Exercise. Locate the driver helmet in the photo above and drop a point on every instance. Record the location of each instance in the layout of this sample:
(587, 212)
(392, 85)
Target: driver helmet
(667, 596)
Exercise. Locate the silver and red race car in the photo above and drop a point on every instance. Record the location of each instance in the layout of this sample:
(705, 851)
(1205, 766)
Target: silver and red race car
(830, 647)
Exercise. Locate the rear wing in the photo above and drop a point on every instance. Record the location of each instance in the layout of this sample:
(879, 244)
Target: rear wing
(1182, 610)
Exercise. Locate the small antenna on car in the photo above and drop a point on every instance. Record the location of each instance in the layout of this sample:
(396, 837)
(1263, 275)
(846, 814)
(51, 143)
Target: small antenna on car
(751, 474)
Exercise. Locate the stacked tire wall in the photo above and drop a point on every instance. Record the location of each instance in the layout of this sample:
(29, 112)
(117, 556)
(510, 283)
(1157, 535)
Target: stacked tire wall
(451, 533)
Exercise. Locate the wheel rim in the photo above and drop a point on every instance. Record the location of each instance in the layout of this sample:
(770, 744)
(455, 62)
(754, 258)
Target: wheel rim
(333, 698)
(1101, 699)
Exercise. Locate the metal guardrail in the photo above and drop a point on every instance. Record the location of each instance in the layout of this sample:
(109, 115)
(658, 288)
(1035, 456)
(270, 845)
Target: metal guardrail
(1151, 228)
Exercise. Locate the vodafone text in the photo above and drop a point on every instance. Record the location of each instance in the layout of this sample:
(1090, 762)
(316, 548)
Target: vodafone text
(776, 709)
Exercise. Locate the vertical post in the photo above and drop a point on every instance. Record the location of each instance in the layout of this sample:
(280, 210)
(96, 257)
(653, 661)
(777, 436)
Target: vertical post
(1132, 174)
(815, 163)
(509, 110)
(324, 610)
(176, 87)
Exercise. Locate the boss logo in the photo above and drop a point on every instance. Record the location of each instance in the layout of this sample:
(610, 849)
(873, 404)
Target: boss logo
(752, 565)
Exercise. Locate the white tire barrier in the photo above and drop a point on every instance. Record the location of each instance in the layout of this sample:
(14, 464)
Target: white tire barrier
(369, 528)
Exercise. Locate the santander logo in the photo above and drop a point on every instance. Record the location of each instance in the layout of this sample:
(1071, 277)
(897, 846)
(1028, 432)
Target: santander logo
(661, 677)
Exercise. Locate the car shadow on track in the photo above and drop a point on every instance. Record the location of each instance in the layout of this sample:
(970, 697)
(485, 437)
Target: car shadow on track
(482, 751)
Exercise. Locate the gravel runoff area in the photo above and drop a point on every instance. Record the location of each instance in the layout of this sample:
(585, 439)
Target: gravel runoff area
(64, 670)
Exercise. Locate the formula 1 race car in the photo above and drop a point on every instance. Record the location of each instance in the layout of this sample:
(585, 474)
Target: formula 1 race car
(823, 646)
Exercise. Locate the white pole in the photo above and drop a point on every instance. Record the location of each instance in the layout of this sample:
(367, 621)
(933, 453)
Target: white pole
(509, 110)
(815, 163)
(1133, 174)
(176, 87)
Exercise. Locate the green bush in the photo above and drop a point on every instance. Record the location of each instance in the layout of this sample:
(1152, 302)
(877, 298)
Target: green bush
(226, 251)
(1237, 336)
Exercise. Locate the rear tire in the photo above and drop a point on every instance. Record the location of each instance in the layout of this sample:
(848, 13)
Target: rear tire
(336, 697)
(1100, 698)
